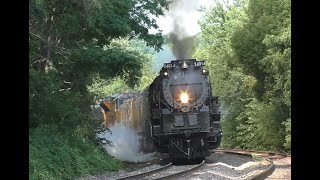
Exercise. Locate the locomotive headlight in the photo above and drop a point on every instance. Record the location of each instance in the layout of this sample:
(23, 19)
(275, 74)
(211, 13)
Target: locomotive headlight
(204, 71)
(165, 73)
(184, 98)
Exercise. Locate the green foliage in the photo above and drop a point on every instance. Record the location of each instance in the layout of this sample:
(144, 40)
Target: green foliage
(70, 44)
(49, 103)
(287, 125)
(233, 87)
(99, 21)
(278, 61)
(108, 63)
(255, 43)
(101, 88)
(261, 129)
(69, 49)
(55, 155)
(247, 47)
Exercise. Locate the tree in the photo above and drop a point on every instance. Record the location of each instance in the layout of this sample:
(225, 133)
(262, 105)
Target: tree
(263, 46)
(68, 49)
(71, 42)
(266, 19)
(102, 87)
(229, 83)
(248, 54)
(57, 26)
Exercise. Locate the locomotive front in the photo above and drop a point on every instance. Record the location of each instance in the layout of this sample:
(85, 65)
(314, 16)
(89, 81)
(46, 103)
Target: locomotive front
(185, 117)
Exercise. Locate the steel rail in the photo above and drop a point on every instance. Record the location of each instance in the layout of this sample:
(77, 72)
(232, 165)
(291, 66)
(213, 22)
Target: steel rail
(181, 172)
(256, 152)
(134, 176)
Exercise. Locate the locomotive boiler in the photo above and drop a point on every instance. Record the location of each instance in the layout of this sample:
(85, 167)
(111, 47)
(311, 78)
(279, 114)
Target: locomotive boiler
(177, 113)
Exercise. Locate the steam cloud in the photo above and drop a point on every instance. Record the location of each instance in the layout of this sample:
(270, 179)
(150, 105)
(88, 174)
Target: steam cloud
(126, 144)
(182, 17)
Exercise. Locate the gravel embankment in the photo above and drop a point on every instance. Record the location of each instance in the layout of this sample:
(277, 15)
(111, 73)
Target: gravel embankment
(219, 166)
(283, 169)
(227, 166)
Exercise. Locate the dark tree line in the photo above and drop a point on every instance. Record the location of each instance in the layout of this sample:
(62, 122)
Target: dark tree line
(73, 45)
(248, 48)
(70, 43)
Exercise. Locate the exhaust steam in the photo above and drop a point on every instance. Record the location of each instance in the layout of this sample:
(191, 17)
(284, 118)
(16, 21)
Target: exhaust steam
(126, 144)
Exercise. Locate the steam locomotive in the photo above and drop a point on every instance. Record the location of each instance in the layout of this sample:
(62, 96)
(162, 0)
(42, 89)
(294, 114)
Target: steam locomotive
(176, 114)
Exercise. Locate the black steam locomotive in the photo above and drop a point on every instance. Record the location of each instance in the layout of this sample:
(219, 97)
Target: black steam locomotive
(184, 116)
(176, 114)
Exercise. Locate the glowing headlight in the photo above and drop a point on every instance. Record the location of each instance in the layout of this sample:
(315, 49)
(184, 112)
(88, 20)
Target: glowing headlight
(165, 73)
(204, 71)
(184, 98)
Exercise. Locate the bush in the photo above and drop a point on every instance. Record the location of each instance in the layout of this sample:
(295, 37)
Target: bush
(262, 128)
(55, 155)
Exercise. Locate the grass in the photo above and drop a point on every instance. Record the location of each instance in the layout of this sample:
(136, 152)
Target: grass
(54, 155)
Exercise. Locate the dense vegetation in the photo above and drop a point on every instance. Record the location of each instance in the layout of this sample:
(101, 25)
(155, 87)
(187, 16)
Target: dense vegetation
(101, 88)
(72, 45)
(56, 155)
(247, 47)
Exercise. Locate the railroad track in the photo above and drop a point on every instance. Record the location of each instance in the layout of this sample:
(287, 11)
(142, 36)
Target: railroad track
(268, 156)
(166, 172)
(170, 171)
(250, 152)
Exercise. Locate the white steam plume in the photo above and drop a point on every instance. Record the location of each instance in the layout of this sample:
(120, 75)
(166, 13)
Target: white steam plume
(126, 144)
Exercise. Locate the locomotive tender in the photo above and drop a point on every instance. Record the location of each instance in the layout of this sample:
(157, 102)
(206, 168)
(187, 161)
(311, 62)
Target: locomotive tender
(177, 113)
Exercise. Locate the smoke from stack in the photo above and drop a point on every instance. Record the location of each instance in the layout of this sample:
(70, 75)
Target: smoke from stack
(182, 17)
